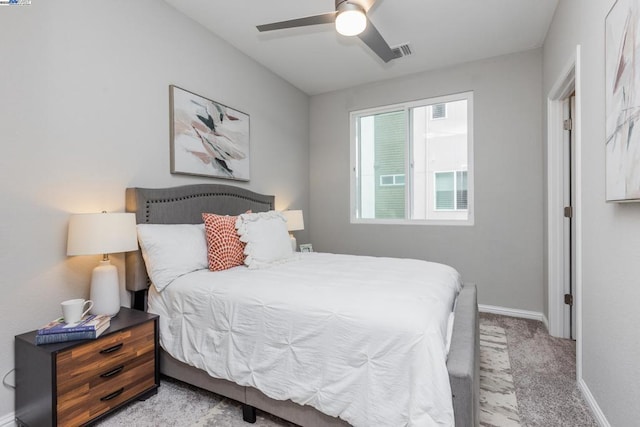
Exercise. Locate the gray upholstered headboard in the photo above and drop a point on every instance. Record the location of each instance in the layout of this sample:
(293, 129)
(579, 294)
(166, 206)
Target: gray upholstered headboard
(183, 205)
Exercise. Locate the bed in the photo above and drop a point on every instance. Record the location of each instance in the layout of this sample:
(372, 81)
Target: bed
(185, 205)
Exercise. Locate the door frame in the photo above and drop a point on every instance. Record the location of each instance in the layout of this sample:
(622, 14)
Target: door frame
(568, 82)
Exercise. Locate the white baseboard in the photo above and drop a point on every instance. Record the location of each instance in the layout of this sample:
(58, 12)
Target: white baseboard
(8, 420)
(512, 312)
(545, 321)
(591, 401)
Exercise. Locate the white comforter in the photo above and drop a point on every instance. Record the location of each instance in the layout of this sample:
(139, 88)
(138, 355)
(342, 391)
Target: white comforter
(360, 338)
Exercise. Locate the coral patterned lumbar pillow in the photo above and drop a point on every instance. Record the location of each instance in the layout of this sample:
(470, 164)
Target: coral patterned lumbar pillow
(224, 248)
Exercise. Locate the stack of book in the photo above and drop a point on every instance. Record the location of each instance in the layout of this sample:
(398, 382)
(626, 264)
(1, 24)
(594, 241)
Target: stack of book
(90, 327)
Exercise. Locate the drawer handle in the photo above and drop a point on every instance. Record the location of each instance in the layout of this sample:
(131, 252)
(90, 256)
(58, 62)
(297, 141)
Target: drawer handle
(112, 395)
(111, 349)
(112, 372)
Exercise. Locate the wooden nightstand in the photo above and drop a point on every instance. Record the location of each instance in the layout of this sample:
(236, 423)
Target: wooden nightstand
(77, 382)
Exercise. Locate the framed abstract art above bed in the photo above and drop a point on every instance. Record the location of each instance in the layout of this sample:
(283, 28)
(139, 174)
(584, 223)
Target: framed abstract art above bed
(207, 138)
(622, 79)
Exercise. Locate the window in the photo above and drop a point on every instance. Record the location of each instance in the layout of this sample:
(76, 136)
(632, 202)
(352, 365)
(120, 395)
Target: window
(438, 111)
(391, 180)
(451, 191)
(409, 168)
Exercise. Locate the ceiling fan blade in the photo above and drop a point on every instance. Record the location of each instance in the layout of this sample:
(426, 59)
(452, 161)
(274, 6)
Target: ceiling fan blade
(372, 38)
(325, 18)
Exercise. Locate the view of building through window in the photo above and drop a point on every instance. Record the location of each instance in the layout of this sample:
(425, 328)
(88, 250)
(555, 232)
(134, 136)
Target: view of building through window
(412, 161)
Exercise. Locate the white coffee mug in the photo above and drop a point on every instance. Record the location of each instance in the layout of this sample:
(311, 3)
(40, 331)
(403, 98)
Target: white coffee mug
(72, 309)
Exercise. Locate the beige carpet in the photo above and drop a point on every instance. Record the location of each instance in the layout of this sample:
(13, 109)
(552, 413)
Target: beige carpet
(544, 374)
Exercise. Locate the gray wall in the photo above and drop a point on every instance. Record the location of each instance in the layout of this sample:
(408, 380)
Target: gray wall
(611, 247)
(502, 252)
(84, 113)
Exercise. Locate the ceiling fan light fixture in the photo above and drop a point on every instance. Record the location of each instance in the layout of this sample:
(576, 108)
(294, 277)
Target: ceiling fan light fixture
(351, 19)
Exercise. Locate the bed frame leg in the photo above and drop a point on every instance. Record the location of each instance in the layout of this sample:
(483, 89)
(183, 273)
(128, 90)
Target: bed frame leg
(248, 413)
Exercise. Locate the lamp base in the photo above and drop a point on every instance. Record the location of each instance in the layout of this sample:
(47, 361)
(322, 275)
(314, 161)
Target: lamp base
(105, 289)
(293, 242)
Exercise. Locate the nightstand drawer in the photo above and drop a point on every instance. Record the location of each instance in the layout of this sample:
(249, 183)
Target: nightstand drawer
(76, 364)
(76, 386)
(98, 395)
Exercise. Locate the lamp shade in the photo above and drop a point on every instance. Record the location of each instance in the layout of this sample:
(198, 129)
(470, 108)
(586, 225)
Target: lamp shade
(101, 233)
(295, 221)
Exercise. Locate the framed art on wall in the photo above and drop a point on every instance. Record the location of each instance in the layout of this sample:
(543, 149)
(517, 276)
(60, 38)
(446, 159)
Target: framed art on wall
(622, 93)
(207, 138)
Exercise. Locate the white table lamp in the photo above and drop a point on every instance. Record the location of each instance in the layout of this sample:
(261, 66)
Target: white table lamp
(103, 233)
(295, 222)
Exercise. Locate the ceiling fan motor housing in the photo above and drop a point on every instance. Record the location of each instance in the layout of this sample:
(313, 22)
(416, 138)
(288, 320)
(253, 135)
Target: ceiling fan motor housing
(344, 5)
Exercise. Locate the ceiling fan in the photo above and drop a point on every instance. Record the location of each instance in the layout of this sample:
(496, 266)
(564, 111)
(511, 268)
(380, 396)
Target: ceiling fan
(351, 19)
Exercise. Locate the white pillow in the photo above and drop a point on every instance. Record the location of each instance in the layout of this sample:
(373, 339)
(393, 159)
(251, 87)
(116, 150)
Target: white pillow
(172, 250)
(267, 238)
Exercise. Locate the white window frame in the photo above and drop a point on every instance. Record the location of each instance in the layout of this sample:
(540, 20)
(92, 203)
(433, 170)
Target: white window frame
(353, 199)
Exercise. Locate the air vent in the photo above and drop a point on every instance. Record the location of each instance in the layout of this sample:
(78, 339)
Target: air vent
(402, 50)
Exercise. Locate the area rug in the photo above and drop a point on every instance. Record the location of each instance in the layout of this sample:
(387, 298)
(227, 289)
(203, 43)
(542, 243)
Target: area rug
(179, 404)
(498, 403)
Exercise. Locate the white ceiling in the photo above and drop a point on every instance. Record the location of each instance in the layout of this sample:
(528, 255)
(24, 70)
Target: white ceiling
(316, 59)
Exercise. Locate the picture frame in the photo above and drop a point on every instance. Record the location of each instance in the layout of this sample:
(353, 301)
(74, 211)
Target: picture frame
(622, 102)
(208, 138)
(306, 247)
